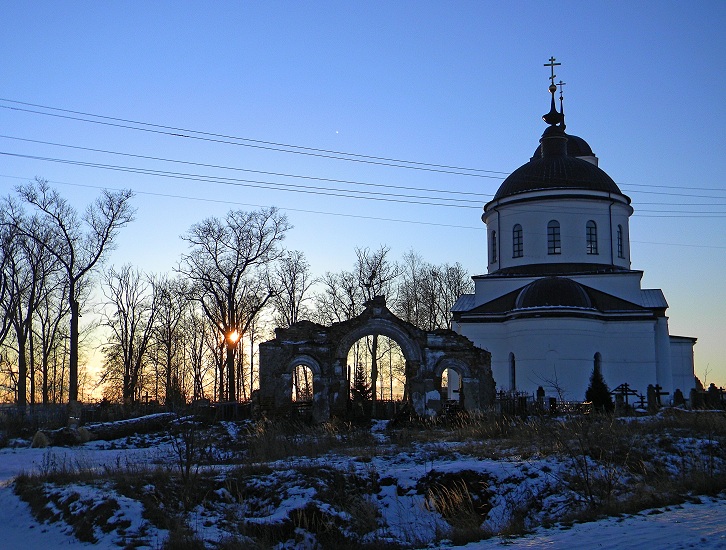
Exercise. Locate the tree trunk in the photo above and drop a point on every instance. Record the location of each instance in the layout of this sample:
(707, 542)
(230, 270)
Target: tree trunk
(230, 374)
(22, 371)
(31, 356)
(73, 359)
(374, 373)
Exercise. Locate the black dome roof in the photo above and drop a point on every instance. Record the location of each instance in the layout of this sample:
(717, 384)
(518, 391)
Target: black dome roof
(553, 292)
(576, 147)
(556, 172)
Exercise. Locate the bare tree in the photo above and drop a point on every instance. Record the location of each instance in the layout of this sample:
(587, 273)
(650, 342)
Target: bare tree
(375, 275)
(427, 292)
(52, 310)
(172, 304)
(29, 267)
(228, 268)
(79, 243)
(130, 316)
(340, 299)
(7, 298)
(292, 281)
(409, 304)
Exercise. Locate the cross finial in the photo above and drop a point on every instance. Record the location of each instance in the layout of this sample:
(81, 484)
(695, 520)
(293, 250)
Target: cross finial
(552, 66)
(560, 84)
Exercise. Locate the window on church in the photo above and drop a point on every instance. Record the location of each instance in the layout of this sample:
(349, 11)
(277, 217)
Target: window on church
(512, 373)
(494, 246)
(591, 237)
(517, 242)
(620, 242)
(554, 245)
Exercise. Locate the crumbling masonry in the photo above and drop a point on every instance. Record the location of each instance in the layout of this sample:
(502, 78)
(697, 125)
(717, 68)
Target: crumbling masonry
(325, 350)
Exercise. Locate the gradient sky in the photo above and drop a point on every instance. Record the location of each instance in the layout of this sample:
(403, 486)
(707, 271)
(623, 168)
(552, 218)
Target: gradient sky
(450, 83)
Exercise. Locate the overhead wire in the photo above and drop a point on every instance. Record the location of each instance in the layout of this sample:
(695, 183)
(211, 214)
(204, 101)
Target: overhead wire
(331, 180)
(257, 144)
(257, 184)
(314, 190)
(235, 168)
(226, 201)
(173, 132)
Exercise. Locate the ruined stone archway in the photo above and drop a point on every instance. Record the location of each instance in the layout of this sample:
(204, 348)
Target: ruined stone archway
(298, 389)
(325, 349)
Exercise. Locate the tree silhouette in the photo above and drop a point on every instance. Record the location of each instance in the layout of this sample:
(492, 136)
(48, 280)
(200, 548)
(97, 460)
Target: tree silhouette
(598, 392)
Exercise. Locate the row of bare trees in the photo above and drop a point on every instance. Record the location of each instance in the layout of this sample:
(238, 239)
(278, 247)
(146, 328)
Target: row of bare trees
(49, 254)
(187, 335)
(416, 291)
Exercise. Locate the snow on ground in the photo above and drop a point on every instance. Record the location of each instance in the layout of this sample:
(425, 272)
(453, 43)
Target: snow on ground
(701, 526)
(691, 525)
(20, 530)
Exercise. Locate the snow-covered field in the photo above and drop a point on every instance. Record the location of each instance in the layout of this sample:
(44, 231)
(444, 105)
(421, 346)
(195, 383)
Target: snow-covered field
(403, 495)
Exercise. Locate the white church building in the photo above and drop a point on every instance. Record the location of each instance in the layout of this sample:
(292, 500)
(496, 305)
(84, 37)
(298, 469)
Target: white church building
(559, 295)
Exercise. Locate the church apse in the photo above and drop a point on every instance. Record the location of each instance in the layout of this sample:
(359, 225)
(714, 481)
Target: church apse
(324, 351)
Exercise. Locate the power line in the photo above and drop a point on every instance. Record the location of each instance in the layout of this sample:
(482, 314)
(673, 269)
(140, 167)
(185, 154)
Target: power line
(324, 191)
(220, 201)
(257, 144)
(172, 131)
(334, 180)
(365, 195)
(337, 214)
(238, 169)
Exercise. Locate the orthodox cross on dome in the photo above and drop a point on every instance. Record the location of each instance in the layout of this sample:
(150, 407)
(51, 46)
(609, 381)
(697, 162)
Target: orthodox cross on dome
(553, 117)
(560, 84)
(552, 66)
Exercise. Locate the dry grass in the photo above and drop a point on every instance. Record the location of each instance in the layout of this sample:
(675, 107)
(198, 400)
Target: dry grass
(614, 466)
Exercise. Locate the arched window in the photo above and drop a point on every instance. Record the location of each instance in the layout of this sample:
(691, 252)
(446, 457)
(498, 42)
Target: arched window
(512, 373)
(554, 245)
(591, 237)
(494, 246)
(517, 242)
(597, 361)
(302, 384)
(620, 242)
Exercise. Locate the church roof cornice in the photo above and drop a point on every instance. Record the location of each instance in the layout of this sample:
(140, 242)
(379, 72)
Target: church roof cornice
(568, 269)
(558, 194)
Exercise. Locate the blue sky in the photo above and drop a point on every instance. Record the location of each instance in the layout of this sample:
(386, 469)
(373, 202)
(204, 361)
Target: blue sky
(451, 83)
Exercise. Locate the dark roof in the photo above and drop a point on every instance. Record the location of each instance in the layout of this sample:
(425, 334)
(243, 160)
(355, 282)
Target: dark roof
(551, 292)
(543, 270)
(576, 147)
(556, 172)
(542, 294)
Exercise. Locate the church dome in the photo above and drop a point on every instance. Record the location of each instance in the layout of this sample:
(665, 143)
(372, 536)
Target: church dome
(556, 172)
(553, 292)
(576, 147)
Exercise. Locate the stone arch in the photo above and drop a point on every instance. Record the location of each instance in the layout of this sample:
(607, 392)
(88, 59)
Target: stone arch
(384, 327)
(324, 349)
(467, 383)
(452, 363)
(306, 360)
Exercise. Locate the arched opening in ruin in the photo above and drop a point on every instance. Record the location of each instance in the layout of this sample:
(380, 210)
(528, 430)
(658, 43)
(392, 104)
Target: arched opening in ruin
(379, 358)
(409, 366)
(450, 378)
(451, 384)
(302, 384)
(382, 356)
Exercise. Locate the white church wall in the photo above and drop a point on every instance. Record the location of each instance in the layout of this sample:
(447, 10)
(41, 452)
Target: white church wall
(682, 364)
(624, 285)
(621, 216)
(547, 349)
(487, 289)
(572, 215)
